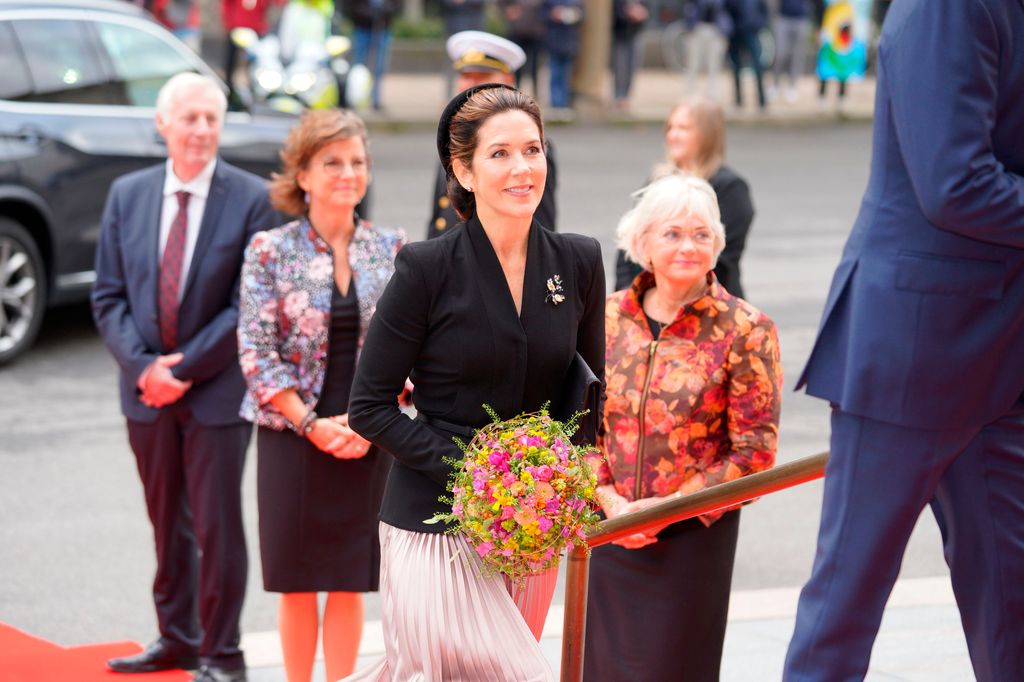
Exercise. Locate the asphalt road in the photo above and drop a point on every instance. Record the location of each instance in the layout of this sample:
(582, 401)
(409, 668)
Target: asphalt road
(76, 556)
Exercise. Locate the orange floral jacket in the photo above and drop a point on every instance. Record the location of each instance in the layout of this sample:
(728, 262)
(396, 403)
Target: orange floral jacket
(697, 407)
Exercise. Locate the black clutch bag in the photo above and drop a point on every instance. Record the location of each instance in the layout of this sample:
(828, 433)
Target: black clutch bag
(581, 390)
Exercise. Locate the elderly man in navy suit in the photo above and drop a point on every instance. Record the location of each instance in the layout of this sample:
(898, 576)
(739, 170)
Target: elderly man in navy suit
(166, 304)
(921, 347)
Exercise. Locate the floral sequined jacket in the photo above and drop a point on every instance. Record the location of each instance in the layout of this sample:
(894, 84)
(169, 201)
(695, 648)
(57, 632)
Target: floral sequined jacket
(284, 316)
(696, 407)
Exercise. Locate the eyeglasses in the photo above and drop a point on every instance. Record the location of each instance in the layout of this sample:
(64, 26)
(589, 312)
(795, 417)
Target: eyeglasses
(673, 236)
(336, 167)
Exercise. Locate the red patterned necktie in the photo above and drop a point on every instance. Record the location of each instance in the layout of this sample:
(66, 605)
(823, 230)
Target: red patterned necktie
(170, 275)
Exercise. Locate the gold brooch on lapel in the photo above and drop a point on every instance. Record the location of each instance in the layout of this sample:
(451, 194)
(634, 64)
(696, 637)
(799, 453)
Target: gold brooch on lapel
(555, 293)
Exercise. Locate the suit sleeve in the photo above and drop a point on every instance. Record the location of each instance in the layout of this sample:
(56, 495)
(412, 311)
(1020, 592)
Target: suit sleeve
(944, 96)
(389, 354)
(111, 307)
(737, 214)
(215, 346)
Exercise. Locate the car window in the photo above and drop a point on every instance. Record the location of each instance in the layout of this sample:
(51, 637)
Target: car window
(142, 61)
(14, 83)
(62, 62)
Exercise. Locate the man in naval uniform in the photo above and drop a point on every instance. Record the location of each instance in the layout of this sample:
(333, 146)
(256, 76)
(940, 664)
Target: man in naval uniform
(480, 58)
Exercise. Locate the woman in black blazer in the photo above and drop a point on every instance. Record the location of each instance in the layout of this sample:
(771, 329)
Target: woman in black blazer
(470, 319)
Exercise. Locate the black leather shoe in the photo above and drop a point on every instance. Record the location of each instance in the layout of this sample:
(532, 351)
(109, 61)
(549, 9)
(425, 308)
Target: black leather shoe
(157, 656)
(212, 673)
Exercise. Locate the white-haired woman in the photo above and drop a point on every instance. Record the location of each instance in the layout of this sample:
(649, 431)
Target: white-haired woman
(694, 383)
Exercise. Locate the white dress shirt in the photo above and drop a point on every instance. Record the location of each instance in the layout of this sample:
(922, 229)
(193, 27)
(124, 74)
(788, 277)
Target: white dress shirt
(198, 189)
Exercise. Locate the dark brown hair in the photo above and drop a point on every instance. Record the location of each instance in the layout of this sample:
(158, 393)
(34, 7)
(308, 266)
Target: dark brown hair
(465, 128)
(314, 131)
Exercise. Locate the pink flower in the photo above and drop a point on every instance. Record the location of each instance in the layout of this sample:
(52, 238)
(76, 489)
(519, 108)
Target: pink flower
(543, 473)
(508, 478)
(484, 548)
(544, 524)
(499, 459)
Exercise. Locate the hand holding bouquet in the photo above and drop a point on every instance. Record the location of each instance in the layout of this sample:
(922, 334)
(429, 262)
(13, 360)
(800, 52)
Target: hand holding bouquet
(523, 493)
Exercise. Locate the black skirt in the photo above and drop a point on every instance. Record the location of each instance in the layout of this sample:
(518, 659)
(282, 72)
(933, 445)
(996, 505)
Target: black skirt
(658, 613)
(318, 514)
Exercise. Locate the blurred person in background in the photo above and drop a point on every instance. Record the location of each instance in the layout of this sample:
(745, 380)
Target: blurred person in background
(748, 18)
(562, 43)
(309, 290)
(695, 144)
(694, 392)
(371, 21)
(524, 20)
(792, 30)
(243, 14)
(628, 17)
(710, 27)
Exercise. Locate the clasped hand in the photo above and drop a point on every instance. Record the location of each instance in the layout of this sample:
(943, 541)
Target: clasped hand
(159, 385)
(334, 436)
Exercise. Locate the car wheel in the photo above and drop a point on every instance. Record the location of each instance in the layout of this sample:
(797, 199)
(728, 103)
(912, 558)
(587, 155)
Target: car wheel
(22, 290)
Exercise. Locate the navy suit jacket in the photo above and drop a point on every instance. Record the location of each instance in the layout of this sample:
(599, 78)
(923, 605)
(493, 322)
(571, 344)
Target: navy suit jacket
(924, 324)
(124, 297)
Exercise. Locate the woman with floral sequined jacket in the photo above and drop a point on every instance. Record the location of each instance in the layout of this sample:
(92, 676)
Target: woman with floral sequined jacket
(694, 382)
(309, 290)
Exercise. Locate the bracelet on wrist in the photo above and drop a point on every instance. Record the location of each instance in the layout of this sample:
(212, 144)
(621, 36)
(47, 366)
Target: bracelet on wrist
(305, 425)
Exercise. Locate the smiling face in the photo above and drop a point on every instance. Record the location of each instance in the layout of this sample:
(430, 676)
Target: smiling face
(191, 128)
(509, 168)
(336, 176)
(681, 250)
(682, 139)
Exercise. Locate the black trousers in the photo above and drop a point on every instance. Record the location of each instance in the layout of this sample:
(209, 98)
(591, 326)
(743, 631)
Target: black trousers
(192, 478)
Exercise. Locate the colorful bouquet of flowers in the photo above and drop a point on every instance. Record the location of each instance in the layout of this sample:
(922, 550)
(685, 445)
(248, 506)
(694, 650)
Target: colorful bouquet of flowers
(522, 494)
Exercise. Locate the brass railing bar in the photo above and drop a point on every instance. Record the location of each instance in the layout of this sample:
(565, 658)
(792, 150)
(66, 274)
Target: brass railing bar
(704, 501)
(574, 625)
(708, 500)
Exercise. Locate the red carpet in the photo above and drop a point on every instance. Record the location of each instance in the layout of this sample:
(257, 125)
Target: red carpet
(24, 658)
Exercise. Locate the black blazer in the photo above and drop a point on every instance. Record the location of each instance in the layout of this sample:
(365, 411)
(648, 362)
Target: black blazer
(124, 297)
(447, 321)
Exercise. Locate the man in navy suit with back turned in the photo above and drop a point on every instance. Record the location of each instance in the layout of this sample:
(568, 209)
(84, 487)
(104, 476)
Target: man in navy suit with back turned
(166, 304)
(921, 347)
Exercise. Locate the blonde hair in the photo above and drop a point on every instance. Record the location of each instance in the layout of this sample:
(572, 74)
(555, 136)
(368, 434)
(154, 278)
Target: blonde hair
(314, 131)
(663, 200)
(709, 120)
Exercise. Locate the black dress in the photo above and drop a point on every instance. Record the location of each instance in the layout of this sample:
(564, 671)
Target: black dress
(318, 514)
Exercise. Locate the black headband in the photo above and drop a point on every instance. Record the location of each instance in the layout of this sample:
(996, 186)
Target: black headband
(444, 136)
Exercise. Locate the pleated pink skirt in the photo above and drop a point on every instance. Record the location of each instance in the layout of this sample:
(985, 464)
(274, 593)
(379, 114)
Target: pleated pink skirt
(443, 620)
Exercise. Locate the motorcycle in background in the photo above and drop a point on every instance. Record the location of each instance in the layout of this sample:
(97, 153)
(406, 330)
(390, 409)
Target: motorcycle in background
(302, 65)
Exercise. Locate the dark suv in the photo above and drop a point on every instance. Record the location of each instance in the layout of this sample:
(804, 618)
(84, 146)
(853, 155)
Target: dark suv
(78, 86)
